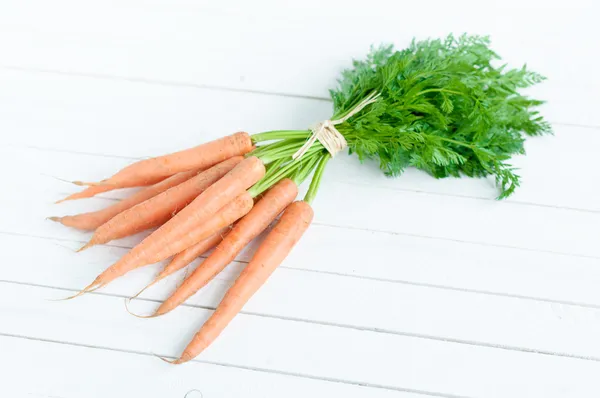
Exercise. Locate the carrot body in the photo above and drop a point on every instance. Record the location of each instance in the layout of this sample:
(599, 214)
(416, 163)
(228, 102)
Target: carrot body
(160, 208)
(148, 253)
(227, 215)
(276, 246)
(199, 157)
(169, 238)
(188, 255)
(248, 228)
(92, 220)
(185, 257)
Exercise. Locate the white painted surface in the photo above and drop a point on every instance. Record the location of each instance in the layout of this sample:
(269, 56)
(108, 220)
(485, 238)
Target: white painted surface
(431, 289)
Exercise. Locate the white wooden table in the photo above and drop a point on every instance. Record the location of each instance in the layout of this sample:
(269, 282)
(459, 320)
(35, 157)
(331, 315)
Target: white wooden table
(407, 287)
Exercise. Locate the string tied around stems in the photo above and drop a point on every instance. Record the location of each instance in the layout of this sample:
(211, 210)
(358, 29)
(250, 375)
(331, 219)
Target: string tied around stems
(326, 133)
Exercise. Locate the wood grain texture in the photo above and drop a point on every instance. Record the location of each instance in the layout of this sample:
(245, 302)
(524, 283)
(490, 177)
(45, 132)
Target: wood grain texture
(264, 46)
(72, 371)
(301, 348)
(409, 287)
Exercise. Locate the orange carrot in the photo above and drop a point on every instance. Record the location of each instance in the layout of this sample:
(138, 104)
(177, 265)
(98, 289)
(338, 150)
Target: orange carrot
(94, 190)
(199, 157)
(160, 208)
(274, 249)
(185, 257)
(92, 220)
(255, 222)
(200, 219)
(87, 193)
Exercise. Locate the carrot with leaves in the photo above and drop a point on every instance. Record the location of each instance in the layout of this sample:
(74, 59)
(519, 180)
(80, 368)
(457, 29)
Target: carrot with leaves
(439, 105)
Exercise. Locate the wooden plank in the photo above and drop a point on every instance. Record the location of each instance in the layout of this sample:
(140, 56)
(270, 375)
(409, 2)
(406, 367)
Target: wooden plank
(162, 41)
(133, 120)
(364, 357)
(68, 371)
(438, 314)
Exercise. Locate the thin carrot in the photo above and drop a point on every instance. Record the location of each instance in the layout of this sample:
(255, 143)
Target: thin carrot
(87, 193)
(200, 219)
(92, 220)
(94, 190)
(160, 208)
(274, 249)
(199, 157)
(185, 257)
(255, 222)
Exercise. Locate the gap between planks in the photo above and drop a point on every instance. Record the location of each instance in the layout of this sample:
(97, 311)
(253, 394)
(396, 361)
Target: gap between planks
(173, 83)
(250, 368)
(332, 324)
(160, 82)
(379, 279)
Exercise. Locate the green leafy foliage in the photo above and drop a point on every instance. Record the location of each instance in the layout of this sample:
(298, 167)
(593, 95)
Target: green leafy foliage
(444, 108)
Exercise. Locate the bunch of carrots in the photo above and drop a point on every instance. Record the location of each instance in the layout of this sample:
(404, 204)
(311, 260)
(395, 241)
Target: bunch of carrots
(439, 106)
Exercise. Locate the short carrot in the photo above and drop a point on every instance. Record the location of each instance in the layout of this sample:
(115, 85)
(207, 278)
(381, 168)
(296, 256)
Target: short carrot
(199, 157)
(92, 220)
(185, 257)
(274, 249)
(160, 208)
(249, 227)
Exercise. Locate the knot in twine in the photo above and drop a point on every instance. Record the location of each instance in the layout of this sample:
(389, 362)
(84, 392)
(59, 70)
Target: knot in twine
(328, 135)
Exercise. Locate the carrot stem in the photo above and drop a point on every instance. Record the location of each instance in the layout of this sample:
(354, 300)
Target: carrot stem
(305, 170)
(276, 175)
(316, 180)
(279, 135)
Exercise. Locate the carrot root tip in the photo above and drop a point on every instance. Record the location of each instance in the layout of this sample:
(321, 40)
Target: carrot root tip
(86, 246)
(127, 300)
(90, 288)
(176, 361)
(90, 183)
(156, 280)
(102, 183)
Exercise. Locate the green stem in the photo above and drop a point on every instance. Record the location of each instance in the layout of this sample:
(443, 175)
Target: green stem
(273, 146)
(274, 165)
(279, 135)
(309, 164)
(271, 152)
(270, 157)
(271, 179)
(316, 180)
